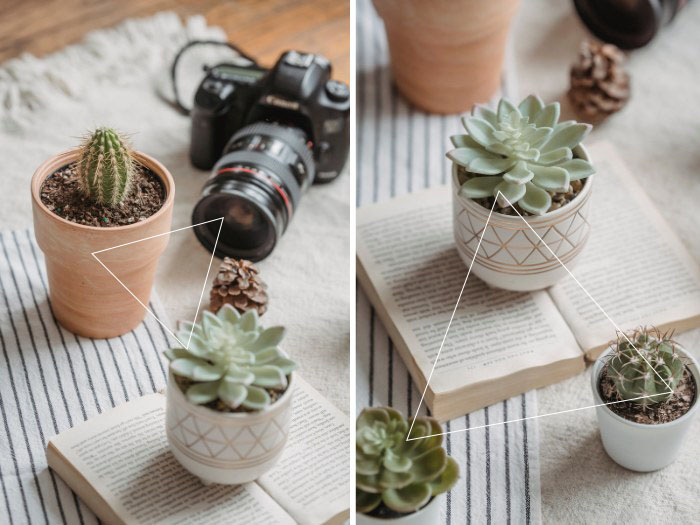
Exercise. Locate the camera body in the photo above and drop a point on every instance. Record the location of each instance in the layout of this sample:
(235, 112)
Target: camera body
(267, 135)
(297, 92)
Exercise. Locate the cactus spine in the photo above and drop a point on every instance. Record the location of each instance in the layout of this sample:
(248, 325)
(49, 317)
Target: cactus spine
(106, 167)
(635, 377)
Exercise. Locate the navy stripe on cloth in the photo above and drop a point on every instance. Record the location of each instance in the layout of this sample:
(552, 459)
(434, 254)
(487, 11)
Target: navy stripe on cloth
(401, 149)
(51, 380)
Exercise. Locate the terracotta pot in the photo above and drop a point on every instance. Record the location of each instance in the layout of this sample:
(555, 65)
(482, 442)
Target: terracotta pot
(227, 447)
(511, 256)
(447, 55)
(85, 298)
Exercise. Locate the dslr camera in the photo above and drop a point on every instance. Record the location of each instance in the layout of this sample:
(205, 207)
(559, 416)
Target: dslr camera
(269, 135)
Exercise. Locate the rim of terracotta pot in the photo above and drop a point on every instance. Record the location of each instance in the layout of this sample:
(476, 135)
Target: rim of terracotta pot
(233, 415)
(507, 10)
(580, 152)
(598, 368)
(52, 164)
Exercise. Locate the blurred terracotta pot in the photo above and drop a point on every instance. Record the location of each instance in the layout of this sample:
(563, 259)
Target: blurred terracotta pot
(447, 55)
(85, 298)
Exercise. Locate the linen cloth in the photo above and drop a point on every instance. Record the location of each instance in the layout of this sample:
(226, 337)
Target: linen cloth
(51, 380)
(657, 135)
(114, 77)
(401, 149)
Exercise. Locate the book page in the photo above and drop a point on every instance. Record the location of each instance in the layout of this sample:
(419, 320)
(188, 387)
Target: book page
(123, 455)
(312, 479)
(409, 267)
(634, 266)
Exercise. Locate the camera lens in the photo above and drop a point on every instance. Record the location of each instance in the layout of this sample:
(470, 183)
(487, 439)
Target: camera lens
(255, 186)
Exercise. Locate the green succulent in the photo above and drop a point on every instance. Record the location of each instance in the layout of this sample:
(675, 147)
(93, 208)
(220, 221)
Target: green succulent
(635, 377)
(230, 357)
(404, 475)
(106, 167)
(522, 152)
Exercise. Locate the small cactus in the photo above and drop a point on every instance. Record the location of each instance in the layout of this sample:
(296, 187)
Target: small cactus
(636, 377)
(106, 167)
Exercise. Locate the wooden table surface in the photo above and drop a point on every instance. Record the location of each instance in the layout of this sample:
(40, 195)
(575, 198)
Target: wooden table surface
(263, 28)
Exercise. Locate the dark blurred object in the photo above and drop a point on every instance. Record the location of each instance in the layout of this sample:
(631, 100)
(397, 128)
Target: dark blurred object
(600, 85)
(627, 23)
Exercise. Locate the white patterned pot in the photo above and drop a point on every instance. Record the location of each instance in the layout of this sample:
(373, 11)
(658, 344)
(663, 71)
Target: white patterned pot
(511, 256)
(229, 448)
(637, 446)
(428, 515)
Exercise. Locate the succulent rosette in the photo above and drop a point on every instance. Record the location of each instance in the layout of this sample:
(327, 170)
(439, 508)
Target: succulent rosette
(232, 358)
(402, 474)
(520, 154)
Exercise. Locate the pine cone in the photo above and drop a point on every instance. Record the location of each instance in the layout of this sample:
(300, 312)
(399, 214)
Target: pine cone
(599, 84)
(238, 284)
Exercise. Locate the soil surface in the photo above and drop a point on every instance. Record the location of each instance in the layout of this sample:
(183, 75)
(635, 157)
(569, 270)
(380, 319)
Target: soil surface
(676, 406)
(218, 405)
(61, 194)
(385, 513)
(559, 198)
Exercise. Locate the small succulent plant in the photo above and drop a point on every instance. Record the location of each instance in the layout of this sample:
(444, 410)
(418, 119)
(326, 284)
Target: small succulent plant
(231, 358)
(635, 377)
(403, 475)
(106, 167)
(521, 151)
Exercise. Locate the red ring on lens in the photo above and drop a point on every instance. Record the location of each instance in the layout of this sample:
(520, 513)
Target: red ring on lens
(262, 177)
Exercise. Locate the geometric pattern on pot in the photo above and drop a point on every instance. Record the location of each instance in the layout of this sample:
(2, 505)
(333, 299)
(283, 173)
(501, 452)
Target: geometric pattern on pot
(226, 442)
(511, 247)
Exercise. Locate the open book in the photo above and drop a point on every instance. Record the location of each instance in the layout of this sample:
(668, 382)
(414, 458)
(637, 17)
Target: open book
(120, 465)
(504, 343)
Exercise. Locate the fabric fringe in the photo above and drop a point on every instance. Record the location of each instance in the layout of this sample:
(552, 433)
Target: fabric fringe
(119, 55)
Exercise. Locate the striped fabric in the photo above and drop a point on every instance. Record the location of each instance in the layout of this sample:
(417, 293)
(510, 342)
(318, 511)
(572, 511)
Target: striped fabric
(51, 380)
(401, 149)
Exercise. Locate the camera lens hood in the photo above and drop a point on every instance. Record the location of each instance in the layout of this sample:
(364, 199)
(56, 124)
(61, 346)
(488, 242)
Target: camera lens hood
(255, 186)
(254, 219)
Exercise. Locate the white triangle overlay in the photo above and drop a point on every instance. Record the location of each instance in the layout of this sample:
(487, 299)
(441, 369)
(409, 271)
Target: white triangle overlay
(454, 311)
(204, 286)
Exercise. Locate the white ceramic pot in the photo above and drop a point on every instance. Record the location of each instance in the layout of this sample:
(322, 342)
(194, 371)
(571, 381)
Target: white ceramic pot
(428, 515)
(637, 446)
(511, 256)
(229, 448)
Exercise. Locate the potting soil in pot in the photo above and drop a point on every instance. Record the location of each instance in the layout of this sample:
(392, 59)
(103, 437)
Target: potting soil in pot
(676, 406)
(61, 194)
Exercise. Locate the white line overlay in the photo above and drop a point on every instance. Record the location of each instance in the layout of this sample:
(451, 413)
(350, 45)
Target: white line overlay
(454, 311)
(206, 278)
